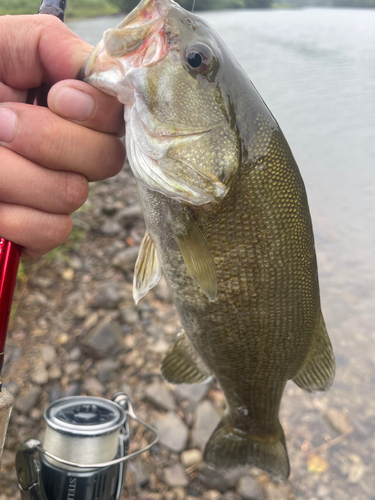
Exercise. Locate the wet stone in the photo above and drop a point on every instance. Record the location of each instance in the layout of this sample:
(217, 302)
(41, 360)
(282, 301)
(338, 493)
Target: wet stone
(175, 476)
(158, 395)
(73, 389)
(13, 388)
(105, 339)
(194, 393)
(250, 489)
(107, 296)
(173, 432)
(27, 401)
(278, 491)
(206, 420)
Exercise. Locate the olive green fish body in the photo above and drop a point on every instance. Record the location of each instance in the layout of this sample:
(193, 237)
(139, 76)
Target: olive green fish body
(227, 222)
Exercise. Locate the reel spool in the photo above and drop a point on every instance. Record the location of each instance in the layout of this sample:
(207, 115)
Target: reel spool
(84, 450)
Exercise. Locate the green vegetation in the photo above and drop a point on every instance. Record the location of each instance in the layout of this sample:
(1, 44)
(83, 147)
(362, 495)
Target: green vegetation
(92, 8)
(76, 8)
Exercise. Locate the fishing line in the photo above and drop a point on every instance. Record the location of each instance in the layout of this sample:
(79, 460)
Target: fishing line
(192, 9)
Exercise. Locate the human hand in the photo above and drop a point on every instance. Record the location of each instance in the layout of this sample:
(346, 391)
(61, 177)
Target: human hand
(47, 156)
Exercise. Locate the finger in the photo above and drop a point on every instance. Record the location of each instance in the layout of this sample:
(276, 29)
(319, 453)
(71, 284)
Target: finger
(39, 49)
(7, 94)
(48, 140)
(25, 183)
(36, 231)
(79, 102)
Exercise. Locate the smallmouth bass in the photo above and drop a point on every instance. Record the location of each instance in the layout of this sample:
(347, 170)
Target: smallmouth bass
(228, 224)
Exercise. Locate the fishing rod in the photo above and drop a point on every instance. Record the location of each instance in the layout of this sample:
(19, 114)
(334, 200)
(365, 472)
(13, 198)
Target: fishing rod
(85, 448)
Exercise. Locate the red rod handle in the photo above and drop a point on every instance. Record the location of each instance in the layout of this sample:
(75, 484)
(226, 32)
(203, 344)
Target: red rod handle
(9, 260)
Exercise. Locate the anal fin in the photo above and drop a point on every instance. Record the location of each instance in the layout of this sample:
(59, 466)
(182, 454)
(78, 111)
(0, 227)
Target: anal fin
(318, 371)
(147, 270)
(196, 254)
(183, 365)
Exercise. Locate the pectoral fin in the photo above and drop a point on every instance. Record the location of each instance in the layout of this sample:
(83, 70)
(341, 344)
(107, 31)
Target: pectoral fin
(147, 270)
(183, 365)
(196, 254)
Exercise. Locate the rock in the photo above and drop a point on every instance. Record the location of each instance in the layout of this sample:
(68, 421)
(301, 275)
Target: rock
(54, 372)
(125, 259)
(48, 354)
(13, 388)
(212, 495)
(213, 479)
(191, 457)
(173, 432)
(40, 375)
(156, 332)
(24, 403)
(93, 387)
(230, 495)
(322, 491)
(158, 395)
(73, 389)
(206, 420)
(81, 311)
(139, 471)
(161, 291)
(76, 263)
(107, 369)
(129, 315)
(250, 489)
(126, 216)
(110, 228)
(105, 339)
(36, 414)
(280, 491)
(356, 471)
(194, 393)
(75, 354)
(337, 420)
(68, 274)
(175, 476)
(72, 368)
(107, 296)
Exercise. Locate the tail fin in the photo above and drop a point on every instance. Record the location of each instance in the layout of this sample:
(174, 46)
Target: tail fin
(229, 447)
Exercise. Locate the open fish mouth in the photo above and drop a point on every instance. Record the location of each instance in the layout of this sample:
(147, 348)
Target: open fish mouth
(140, 40)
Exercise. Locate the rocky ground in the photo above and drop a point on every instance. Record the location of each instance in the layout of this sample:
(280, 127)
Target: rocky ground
(77, 331)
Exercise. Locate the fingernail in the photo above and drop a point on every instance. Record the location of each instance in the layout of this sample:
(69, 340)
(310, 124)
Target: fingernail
(8, 124)
(73, 104)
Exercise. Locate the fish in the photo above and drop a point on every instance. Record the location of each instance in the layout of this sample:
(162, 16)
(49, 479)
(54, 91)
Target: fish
(227, 224)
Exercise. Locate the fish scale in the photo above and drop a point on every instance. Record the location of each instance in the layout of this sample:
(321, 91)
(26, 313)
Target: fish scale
(228, 225)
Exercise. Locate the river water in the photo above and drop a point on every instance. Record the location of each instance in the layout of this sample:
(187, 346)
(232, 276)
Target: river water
(315, 69)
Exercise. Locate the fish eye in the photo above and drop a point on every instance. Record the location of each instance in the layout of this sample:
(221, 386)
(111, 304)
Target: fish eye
(198, 58)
